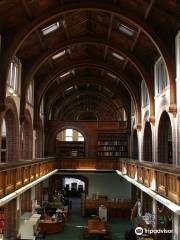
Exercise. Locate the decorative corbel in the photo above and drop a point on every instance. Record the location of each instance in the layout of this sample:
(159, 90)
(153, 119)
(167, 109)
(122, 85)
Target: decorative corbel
(173, 109)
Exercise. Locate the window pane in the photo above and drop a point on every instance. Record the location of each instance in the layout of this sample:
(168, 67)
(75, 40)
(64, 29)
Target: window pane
(69, 132)
(69, 139)
(80, 139)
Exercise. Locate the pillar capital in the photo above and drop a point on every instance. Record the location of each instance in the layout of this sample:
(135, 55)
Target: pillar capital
(139, 127)
(173, 109)
(152, 119)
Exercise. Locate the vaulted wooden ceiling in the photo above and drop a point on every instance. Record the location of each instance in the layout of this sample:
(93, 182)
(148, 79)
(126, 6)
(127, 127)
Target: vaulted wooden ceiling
(110, 44)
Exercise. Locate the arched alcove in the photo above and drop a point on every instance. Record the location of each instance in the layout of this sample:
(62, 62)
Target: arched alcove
(135, 151)
(70, 143)
(165, 139)
(27, 137)
(147, 142)
(10, 124)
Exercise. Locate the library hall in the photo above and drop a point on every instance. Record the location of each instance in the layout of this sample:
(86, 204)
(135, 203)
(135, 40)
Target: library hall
(90, 120)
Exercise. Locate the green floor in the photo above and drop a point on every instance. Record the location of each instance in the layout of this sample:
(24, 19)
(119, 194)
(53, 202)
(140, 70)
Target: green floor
(73, 228)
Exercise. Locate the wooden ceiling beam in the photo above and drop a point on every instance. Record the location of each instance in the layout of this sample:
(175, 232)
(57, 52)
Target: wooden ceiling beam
(20, 37)
(27, 10)
(70, 100)
(147, 13)
(109, 31)
(139, 31)
(88, 25)
(30, 17)
(67, 35)
(130, 87)
(84, 80)
(108, 35)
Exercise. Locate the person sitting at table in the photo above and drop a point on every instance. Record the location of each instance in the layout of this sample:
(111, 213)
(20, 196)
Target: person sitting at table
(60, 214)
(45, 216)
(53, 218)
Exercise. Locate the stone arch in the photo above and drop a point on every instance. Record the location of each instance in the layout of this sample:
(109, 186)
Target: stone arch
(27, 137)
(10, 116)
(80, 177)
(147, 142)
(165, 148)
(50, 140)
(78, 129)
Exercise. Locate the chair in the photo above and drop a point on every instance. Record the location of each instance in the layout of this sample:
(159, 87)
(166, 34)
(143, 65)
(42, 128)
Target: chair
(85, 234)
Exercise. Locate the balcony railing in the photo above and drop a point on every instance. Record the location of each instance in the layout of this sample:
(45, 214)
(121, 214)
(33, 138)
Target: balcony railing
(18, 174)
(161, 178)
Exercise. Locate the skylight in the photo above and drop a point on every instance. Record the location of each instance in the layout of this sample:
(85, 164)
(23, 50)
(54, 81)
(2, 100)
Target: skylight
(58, 55)
(111, 75)
(118, 56)
(68, 89)
(127, 30)
(51, 28)
(65, 74)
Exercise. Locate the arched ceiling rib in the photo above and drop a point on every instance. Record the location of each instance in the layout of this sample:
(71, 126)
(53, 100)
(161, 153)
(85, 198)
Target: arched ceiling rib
(96, 27)
(116, 89)
(93, 65)
(90, 94)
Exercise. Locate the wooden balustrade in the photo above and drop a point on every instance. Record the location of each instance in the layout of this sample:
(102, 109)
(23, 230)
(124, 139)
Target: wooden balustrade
(18, 174)
(162, 178)
(79, 163)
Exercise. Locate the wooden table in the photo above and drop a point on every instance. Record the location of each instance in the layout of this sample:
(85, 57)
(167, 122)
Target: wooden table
(51, 227)
(96, 227)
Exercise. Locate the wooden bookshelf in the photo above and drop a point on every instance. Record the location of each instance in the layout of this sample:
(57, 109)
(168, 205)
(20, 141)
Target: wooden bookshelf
(70, 149)
(113, 145)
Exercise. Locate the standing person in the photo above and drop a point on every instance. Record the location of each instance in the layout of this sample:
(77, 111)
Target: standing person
(136, 214)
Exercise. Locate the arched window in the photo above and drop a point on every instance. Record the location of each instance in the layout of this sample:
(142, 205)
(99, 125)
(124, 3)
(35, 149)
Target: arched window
(144, 95)
(161, 77)
(30, 94)
(14, 77)
(70, 143)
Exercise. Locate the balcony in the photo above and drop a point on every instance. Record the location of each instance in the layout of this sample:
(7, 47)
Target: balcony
(16, 175)
(163, 179)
